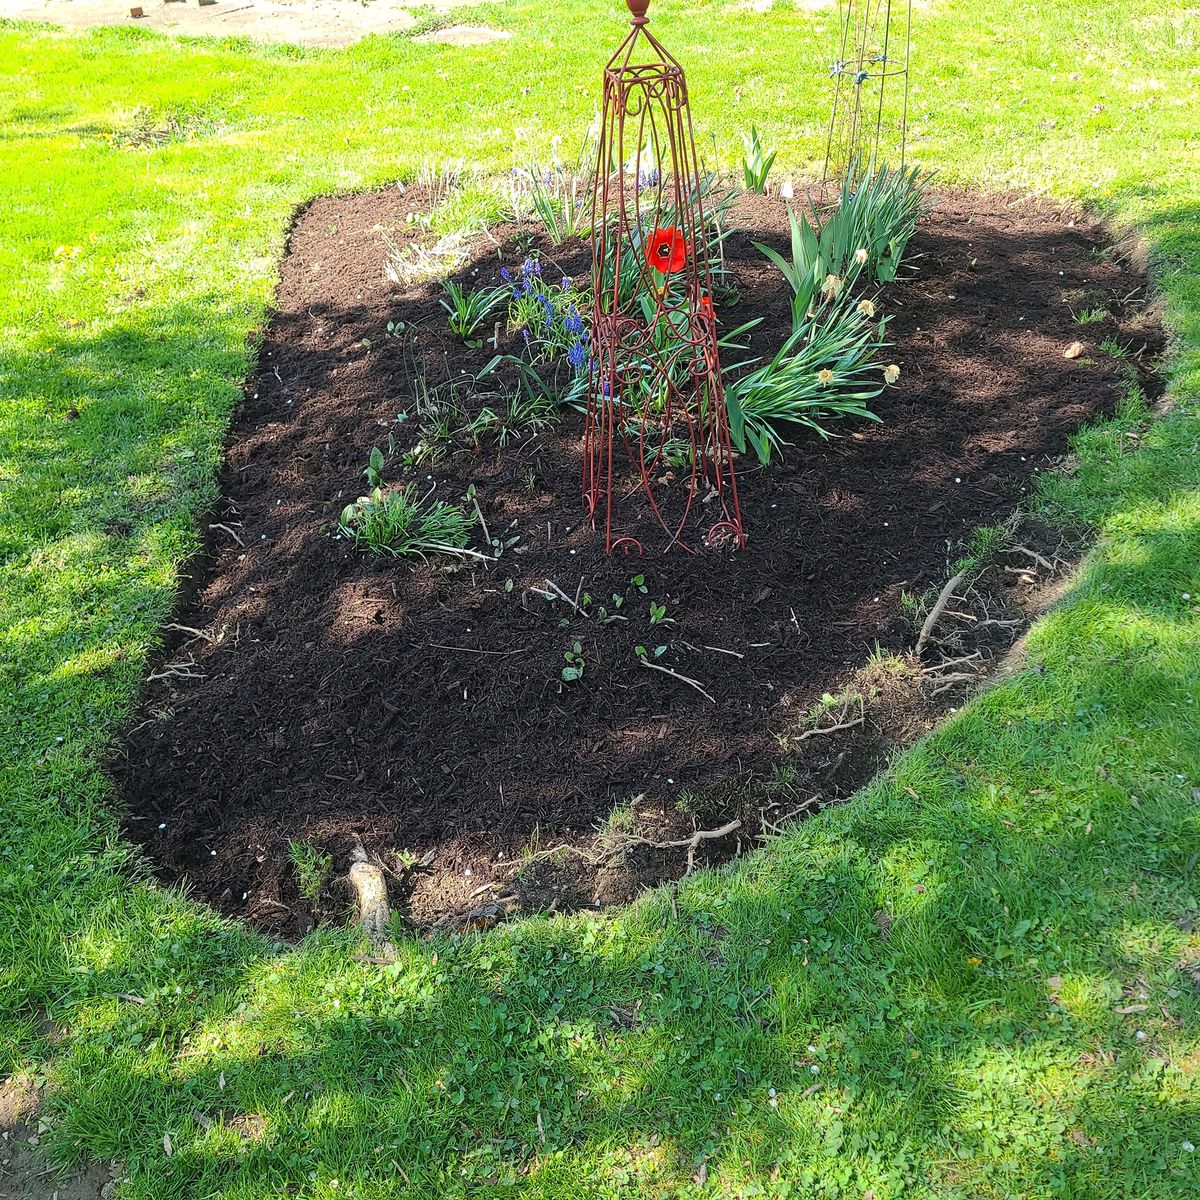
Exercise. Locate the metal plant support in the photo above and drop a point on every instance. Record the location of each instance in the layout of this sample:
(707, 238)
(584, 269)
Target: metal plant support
(873, 51)
(656, 437)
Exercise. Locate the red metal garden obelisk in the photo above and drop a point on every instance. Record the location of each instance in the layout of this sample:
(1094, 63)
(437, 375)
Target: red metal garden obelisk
(656, 438)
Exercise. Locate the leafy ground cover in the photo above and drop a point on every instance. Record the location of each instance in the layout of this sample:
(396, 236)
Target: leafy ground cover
(978, 979)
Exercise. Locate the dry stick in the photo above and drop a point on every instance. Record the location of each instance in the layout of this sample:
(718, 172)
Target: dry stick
(487, 537)
(200, 633)
(719, 650)
(936, 611)
(830, 729)
(563, 596)
(232, 534)
(1021, 571)
(692, 843)
(473, 650)
(1034, 555)
(676, 675)
(952, 662)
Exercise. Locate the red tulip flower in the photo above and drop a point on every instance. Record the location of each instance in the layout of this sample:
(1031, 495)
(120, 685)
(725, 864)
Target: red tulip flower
(667, 250)
(706, 307)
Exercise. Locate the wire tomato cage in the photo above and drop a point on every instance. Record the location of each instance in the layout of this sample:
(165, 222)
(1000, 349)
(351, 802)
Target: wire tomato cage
(874, 47)
(656, 436)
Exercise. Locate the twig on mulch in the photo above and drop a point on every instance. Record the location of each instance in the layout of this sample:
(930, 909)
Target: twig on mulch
(487, 537)
(831, 728)
(714, 649)
(691, 843)
(179, 670)
(474, 650)
(232, 533)
(561, 595)
(936, 611)
(774, 828)
(211, 638)
(676, 675)
(946, 682)
(934, 671)
(1045, 562)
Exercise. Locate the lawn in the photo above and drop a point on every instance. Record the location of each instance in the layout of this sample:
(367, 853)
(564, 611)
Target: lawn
(1031, 1024)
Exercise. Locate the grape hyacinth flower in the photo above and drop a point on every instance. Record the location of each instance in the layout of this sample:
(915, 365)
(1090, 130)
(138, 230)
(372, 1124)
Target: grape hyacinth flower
(531, 267)
(506, 274)
(576, 354)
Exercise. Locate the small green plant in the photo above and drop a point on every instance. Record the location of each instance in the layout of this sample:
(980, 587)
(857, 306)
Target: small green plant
(642, 652)
(401, 523)
(756, 162)
(469, 310)
(575, 665)
(658, 614)
(312, 869)
(374, 471)
(639, 582)
(1089, 316)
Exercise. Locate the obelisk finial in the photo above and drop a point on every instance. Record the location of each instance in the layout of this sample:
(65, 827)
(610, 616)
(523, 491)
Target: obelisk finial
(638, 8)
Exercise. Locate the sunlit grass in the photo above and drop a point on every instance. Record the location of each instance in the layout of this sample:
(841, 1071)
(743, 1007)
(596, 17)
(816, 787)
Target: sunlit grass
(1036, 858)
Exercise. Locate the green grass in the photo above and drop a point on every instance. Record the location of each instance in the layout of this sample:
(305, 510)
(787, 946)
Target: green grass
(1037, 856)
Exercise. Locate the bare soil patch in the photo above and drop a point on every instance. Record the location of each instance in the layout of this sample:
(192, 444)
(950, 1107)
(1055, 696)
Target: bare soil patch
(299, 22)
(331, 696)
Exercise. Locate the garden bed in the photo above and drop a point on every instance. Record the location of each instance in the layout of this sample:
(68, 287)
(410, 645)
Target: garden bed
(315, 695)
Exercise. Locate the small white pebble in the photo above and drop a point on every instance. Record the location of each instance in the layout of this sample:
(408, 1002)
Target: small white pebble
(1187, 1147)
(670, 781)
(572, 551)
(212, 854)
(815, 1069)
(162, 825)
(337, 1004)
(812, 1049)
(1140, 1035)
(957, 479)
(1186, 596)
(770, 1092)
(467, 873)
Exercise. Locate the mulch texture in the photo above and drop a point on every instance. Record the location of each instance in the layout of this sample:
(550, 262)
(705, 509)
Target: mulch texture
(338, 696)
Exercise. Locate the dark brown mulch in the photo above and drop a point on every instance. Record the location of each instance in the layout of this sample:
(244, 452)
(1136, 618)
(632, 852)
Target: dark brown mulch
(419, 709)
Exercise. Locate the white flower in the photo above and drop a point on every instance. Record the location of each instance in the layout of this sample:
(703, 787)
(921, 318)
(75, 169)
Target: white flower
(891, 373)
(860, 256)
